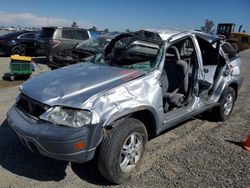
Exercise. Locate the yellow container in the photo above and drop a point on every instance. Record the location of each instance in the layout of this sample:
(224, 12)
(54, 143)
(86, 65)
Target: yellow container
(20, 58)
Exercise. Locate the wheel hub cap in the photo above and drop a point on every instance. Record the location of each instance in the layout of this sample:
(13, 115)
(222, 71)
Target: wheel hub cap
(228, 105)
(131, 152)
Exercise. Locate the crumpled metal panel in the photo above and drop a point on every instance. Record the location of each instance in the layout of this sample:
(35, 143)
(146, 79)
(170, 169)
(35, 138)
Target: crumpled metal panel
(144, 91)
(72, 86)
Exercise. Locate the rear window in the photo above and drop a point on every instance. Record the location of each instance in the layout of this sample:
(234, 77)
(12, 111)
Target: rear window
(75, 34)
(47, 33)
(81, 35)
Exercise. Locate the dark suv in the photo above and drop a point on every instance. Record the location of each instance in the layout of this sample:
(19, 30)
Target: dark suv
(56, 39)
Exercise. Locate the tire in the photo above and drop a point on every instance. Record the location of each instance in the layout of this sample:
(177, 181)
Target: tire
(27, 76)
(12, 78)
(225, 109)
(18, 49)
(115, 151)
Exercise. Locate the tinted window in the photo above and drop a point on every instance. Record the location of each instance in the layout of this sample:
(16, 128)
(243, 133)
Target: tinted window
(75, 34)
(28, 36)
(68, 33)
(81, 35)
(47, 33)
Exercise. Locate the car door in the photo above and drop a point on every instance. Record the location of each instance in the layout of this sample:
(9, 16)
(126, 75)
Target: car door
(28, 39)
(209, 58)
(215, 70)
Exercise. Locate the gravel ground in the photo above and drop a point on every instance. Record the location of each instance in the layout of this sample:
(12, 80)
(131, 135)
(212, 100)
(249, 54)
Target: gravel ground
(199, 153)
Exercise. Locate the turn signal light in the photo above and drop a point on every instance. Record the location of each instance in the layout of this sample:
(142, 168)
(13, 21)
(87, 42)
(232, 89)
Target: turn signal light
(79, 145)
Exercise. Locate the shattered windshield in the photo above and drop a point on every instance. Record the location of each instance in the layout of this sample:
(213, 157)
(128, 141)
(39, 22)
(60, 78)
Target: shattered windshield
(95, 43)
(131, 52)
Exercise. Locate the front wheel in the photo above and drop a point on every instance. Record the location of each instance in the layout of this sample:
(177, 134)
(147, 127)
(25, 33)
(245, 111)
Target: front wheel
(225, 109)
(122, 150)
(18, 49)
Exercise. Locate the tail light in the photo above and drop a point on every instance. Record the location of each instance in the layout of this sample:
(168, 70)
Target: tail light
(2, 41)
(54, 43)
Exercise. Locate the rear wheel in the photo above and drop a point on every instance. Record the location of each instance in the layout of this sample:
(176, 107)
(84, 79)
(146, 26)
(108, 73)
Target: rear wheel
(18, 49)
(122, 150)
(225, 109)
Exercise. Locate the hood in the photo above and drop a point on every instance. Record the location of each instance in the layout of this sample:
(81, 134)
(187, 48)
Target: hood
(73, 85)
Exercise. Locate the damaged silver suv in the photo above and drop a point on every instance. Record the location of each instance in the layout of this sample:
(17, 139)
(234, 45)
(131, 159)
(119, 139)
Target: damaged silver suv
(142, 84)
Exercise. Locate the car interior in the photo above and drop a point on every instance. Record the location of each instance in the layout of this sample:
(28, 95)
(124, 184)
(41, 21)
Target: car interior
(178, 74)
(133, 52)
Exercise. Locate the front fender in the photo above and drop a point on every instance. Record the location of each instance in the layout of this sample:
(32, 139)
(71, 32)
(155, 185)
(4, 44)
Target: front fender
(128, 112)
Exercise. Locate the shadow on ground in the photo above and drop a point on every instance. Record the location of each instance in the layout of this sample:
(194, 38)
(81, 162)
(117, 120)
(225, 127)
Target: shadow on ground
(15, 158)
(89, 172)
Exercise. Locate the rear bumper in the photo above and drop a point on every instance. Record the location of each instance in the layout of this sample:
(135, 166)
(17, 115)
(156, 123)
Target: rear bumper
(55, 141)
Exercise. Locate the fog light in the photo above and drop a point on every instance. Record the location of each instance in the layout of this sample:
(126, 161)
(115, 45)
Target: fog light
(79, 145)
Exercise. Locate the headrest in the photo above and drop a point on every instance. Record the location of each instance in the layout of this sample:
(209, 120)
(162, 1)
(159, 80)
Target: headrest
(173, 53)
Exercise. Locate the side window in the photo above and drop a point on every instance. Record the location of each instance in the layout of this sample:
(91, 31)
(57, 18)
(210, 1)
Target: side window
(81, 35)
(28, 36)
(68, 33)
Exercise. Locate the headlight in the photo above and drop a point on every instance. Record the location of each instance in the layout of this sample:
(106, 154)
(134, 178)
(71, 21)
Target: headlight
(67, 116)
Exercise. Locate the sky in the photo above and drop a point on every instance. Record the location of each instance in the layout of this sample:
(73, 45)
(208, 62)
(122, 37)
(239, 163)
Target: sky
(119, 15)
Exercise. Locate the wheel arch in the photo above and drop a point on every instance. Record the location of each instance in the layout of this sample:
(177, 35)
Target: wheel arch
(18, 44)
(146, 115)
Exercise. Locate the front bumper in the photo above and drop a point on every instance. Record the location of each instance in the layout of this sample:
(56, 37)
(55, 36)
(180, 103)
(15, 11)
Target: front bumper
(55, 141)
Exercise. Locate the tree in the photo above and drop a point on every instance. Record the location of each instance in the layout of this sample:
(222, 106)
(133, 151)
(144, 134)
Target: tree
(106, 30)
(74, 24)
(208, 27)
(127, 30)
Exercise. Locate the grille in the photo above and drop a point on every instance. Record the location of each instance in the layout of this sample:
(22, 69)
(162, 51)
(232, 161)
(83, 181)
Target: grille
(31, 106)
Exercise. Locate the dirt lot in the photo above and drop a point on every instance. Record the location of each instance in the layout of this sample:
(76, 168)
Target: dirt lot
(199, 153)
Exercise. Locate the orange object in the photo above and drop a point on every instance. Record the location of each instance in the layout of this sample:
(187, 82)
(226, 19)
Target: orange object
(247, 143)
(79, 145)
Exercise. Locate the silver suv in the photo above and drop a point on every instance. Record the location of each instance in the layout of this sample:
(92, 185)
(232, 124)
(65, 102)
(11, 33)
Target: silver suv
(142, 84)
(56, 39)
